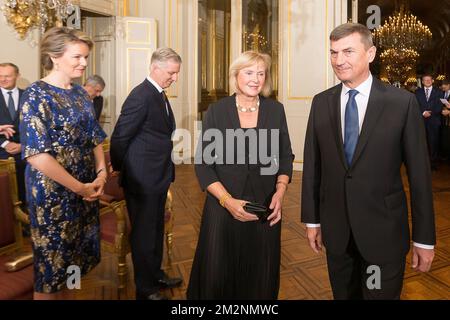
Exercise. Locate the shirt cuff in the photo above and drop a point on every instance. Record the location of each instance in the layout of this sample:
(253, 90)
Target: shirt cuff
(312, 225)
(4, 144)
(423, 246)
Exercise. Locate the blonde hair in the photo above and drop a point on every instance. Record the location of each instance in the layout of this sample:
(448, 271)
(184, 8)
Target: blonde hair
(247, 59)
(54, 43)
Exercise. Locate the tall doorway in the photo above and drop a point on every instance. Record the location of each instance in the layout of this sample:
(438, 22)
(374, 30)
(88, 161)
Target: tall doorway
(259, 31)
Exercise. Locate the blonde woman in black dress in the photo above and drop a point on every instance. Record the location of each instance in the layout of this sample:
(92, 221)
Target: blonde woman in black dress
(238, 255)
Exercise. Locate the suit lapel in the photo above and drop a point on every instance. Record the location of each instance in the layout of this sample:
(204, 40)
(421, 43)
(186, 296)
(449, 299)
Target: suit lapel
(162, 105)
(334, 107)
(170, 118)
(232, 111)
(375, 108)
(4, 112)
(436, 93)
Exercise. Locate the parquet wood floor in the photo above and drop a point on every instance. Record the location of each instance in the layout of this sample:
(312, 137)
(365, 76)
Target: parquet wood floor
(303, 273)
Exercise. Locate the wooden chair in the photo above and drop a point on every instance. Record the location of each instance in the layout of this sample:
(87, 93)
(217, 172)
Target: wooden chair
(115, 224)
(16, 273)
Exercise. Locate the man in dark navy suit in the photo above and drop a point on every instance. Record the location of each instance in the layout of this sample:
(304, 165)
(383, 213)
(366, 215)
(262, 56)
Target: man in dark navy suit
(141, 149)
(445, 135)
(9, 114)
(431, 107)
(359, 135)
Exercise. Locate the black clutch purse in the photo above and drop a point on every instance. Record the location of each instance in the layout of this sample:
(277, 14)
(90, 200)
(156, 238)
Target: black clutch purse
(261, 211)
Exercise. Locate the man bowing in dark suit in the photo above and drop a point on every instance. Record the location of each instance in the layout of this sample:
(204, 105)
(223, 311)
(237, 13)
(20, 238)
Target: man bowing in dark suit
(94, 87)
(9, 115)
(141, 148)
(359, 134)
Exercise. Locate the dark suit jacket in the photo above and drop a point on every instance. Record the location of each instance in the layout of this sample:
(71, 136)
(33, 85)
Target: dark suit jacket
(98, 106)
(433, 104)
(141, 144)
(445, 119)
(223, 115)
(5, 118)
(368, 198)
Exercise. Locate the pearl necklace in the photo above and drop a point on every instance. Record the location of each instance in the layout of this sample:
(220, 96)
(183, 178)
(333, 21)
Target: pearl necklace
(247, 109)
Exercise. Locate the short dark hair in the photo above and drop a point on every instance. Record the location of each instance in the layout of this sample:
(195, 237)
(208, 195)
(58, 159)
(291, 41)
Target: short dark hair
(427, 75)
(10, 64)
(446, 82)
(347, 29)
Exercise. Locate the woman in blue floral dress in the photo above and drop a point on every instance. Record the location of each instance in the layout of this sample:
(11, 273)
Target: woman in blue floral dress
(66, 171)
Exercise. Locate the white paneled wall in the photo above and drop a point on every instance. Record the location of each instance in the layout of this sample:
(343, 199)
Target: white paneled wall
(305, 68)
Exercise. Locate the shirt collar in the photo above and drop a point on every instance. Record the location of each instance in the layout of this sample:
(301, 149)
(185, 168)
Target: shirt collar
(363, 88)
(5, 91)
(153, 82)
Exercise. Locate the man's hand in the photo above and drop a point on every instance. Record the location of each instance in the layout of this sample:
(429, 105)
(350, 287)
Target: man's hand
(421, 259)
(427, 114)
(7, 130)
(13, 148)
(314, 236)
(445, 112)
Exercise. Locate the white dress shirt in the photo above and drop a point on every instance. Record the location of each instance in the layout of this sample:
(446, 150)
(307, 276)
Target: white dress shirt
(430, 90)
(15, 96)
(362, 99)
(160, 90)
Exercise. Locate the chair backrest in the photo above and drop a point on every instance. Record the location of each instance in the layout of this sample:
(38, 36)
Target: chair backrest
(10, 228)
(112, 186)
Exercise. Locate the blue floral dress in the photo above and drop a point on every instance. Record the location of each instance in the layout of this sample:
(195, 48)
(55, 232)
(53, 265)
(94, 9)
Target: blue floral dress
(64, 228)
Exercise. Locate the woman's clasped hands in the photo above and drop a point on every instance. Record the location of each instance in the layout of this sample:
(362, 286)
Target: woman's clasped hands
(93, 190)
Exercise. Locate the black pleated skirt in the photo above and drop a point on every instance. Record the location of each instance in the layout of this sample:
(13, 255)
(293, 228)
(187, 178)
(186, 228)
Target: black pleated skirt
(235, 260)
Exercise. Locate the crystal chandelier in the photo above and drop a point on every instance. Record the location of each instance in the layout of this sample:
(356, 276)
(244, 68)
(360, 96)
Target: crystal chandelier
(403, 31)
(26, 15)
(401, 37)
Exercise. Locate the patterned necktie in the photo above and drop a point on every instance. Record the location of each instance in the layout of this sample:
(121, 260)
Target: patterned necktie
(351, 131)
(11, 107)
(427, 93)
(166, 102)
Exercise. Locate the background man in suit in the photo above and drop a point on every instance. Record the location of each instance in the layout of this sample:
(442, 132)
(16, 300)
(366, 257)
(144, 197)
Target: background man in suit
(445, 136)
(141, 150)
(431, 107)
(359, 134)
(9, 114)
(94, 86)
